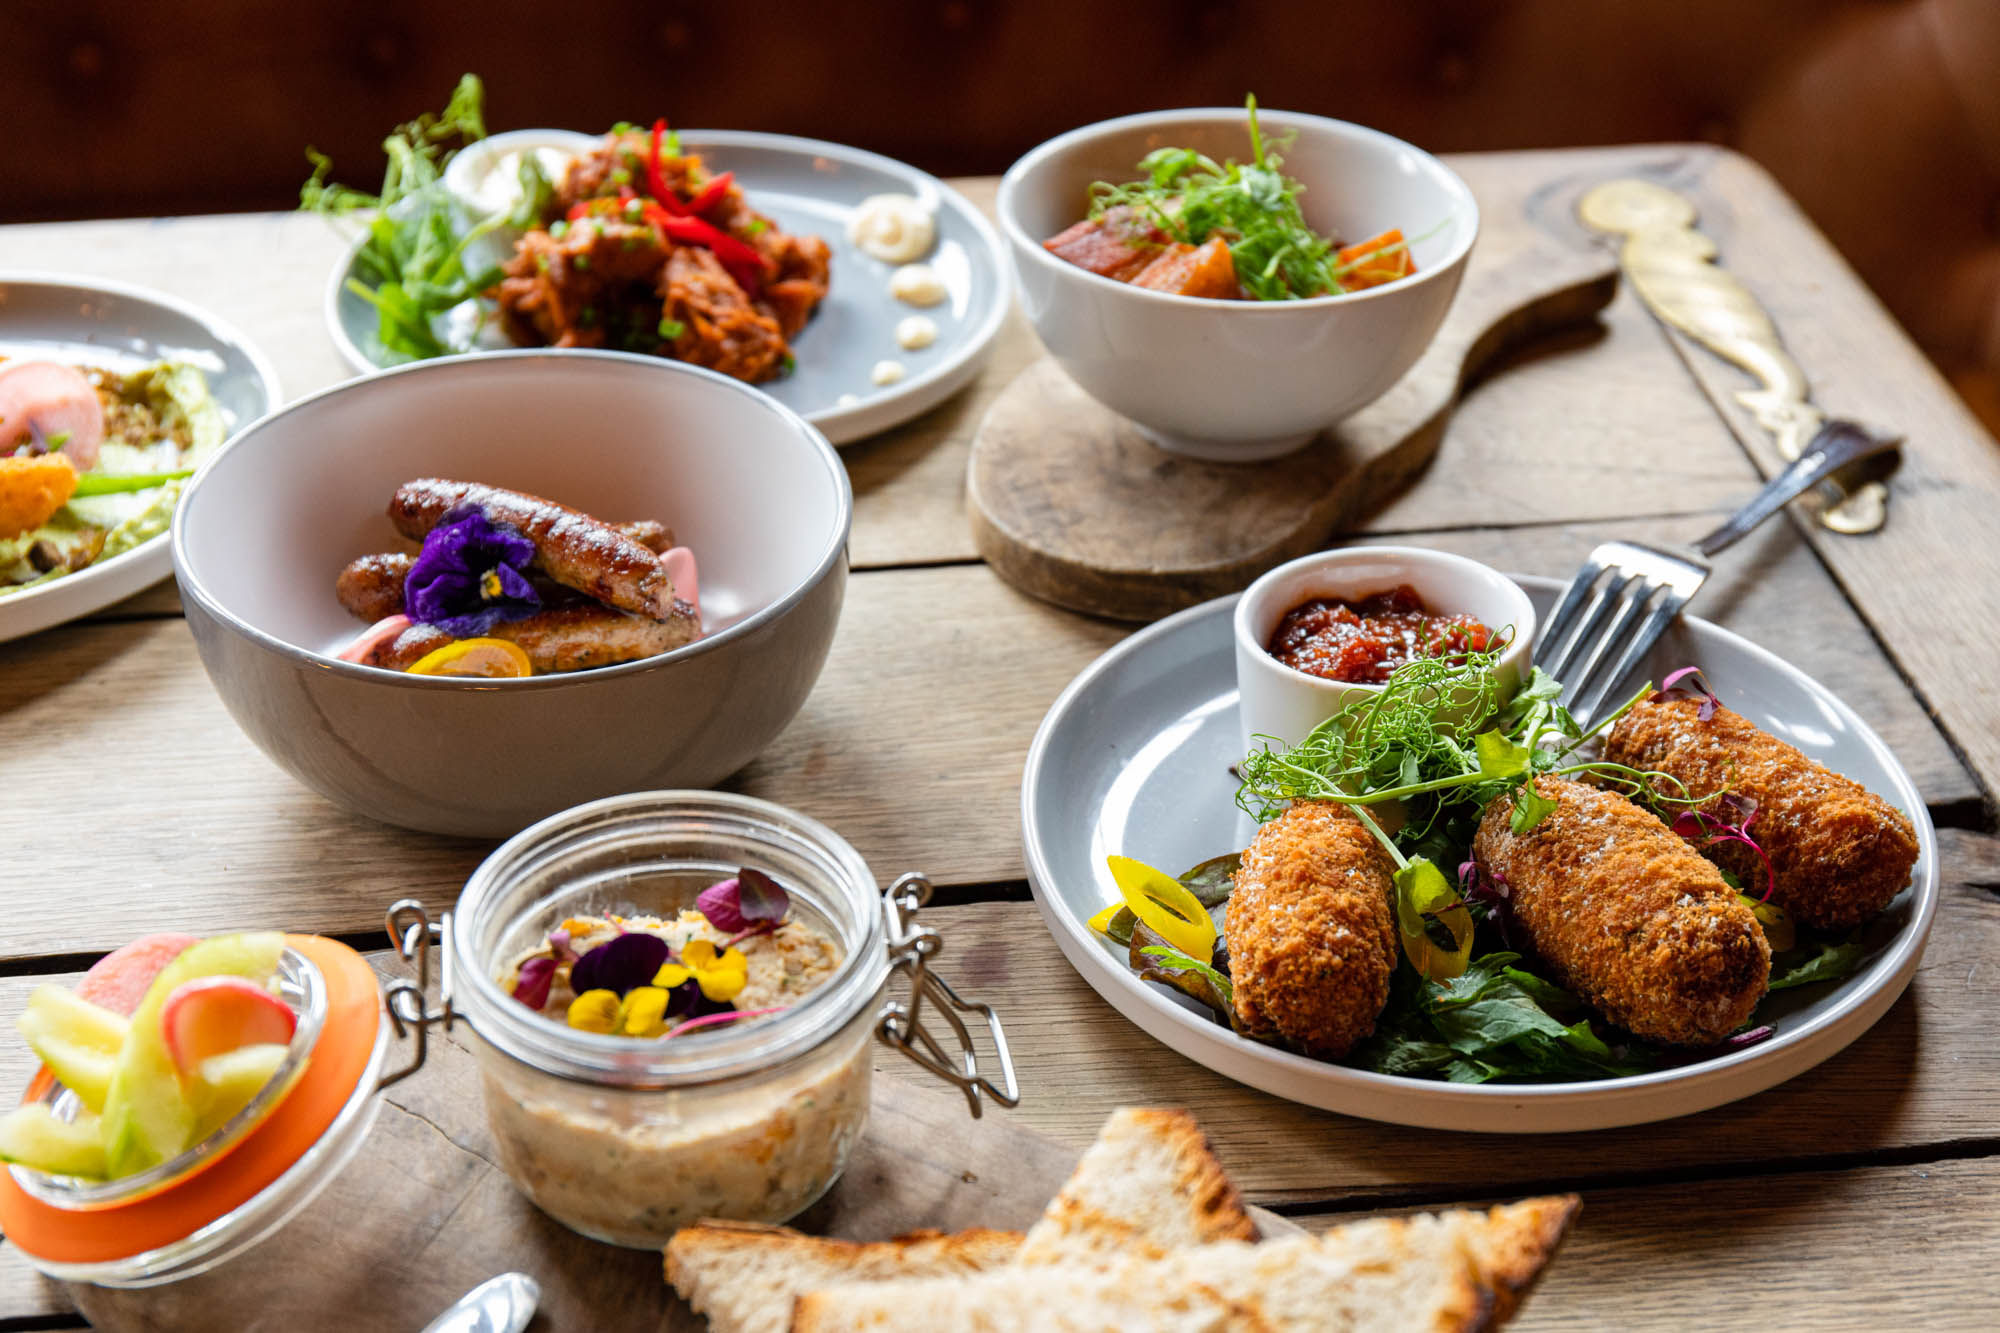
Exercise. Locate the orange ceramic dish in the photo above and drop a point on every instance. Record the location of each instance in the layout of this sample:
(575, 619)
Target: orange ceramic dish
(216, 1188)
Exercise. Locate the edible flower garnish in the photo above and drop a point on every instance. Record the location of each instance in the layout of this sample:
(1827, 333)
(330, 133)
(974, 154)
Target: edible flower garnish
(721, 975)
(531, 984)
(595, 1011)
(1671, 688)
(470, 576)
(620, 964)
(752, 901)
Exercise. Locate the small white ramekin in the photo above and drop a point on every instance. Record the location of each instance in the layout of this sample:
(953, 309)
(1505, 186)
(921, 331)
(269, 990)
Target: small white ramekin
(1285, 703)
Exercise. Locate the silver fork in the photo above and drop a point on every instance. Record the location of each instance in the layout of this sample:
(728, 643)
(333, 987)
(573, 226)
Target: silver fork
(1627, 593)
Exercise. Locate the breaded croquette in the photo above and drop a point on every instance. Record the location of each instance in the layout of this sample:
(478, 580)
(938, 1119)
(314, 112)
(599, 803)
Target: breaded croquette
(1311, 930)
(1838, 852)
(1628, 915)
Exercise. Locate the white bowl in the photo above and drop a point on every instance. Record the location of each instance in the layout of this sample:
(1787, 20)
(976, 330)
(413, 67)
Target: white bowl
(1286, 703)
(1237, 381)
(756, 492)
(481, 179)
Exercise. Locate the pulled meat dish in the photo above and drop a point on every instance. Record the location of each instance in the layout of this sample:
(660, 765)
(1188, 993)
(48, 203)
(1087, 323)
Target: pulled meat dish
(645, 250)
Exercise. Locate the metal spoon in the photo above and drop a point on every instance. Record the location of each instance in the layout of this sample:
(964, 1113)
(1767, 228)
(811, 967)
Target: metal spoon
(503, 1304)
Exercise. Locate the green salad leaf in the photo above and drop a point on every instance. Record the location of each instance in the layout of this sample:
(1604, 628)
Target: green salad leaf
(412, 261)
(1832, 960)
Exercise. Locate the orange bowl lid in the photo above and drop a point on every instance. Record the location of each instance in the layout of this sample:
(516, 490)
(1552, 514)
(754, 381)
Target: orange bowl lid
(216, 1188)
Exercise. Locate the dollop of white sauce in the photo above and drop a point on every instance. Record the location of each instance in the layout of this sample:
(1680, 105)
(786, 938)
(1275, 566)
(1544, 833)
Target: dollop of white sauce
(886, 372)
(497, 188)
(916, 332)
(895, 228)
(848, 400)
(917, 284)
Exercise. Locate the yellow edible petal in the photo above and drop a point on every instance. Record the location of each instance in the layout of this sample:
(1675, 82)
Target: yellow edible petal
(645, 1012)
(594, 1011)
(725, 981)
(672, 975)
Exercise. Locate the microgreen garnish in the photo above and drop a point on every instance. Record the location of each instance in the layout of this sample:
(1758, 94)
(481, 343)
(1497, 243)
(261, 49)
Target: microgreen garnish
(531, 984)
(751, 901)
(1671, 688)
(1252, 205)
(1727, 820)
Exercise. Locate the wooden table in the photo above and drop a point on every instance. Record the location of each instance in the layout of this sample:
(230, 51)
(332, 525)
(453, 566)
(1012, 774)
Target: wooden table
(1858, 1196)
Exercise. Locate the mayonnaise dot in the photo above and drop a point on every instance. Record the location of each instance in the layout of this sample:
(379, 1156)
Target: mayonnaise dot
(848, 400)
(895, 228)
(886, 372)
(916, 332)
(917, 284)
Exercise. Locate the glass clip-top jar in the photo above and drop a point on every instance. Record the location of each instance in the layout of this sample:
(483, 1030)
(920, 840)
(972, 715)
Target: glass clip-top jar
(626, 1140)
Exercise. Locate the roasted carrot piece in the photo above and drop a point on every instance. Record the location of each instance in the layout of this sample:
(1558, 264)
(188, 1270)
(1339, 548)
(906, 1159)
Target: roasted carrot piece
(31, 490)
(1377, 260)
(1186, 271)
(1116, 245)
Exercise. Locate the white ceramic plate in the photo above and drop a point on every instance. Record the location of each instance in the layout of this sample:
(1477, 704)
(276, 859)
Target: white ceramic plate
(1134, 758)
(811, 186)
(88, 321)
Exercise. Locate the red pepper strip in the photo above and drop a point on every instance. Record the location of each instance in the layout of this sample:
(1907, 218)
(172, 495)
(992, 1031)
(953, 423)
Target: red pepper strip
(656, 180)
(711, 193)
(742, 261)
(579, 211)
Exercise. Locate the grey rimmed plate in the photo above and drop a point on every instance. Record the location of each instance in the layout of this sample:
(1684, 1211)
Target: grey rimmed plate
(1134, 756)
(811, 186)
(89, 321)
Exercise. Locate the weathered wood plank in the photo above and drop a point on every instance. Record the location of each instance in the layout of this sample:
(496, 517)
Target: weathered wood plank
(1926, 582)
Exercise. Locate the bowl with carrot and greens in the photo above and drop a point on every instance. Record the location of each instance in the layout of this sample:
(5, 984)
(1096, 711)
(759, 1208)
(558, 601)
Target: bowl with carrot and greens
(1234, 281)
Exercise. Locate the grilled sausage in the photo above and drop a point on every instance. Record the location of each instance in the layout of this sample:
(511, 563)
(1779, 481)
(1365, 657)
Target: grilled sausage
(572, 548)
(372, 587)
(1838, 851)
(569, 638)
(1628, 915)
(1311, 930)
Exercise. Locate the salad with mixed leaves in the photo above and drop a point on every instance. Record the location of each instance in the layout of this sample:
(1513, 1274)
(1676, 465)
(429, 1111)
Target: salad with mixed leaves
(1419, 762)
(1188, 199)
(421, 254)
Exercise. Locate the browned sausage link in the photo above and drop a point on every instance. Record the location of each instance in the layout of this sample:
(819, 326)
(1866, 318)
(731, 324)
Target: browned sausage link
(408, 648)
(572, 548)
(655, 537)
(372, 587)
(577, 638)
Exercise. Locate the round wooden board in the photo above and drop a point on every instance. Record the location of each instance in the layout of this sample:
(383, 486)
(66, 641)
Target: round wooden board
(1070, 503)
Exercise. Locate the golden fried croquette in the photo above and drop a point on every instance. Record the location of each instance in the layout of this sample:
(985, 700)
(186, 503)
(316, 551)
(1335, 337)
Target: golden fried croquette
(1838, 852)
(1628, 915)
(1311, 930)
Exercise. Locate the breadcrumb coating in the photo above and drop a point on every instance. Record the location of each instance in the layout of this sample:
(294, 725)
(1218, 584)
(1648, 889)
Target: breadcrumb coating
(1311, 930)
(1629, 916)
(1838, 852)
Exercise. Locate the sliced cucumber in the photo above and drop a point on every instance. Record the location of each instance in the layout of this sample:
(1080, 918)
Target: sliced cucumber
(32, 1136)
(225, 1083)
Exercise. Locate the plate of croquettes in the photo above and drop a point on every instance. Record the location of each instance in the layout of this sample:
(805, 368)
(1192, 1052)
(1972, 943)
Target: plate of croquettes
(1487, 918)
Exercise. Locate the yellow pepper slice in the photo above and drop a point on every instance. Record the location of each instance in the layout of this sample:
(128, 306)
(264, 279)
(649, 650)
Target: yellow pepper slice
(490, 659)
(1101, 923)
(1163, 902)
(1430, 910)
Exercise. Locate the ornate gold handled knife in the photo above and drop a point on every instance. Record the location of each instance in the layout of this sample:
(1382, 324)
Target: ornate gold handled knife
(1671, 265)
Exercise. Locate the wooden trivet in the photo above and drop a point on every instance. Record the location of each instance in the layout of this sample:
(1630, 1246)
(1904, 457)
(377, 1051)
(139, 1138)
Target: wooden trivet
(1070, 503)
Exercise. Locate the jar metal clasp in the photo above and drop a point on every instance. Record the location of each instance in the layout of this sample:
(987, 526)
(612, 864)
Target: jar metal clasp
(407, 1001)
(911, 948)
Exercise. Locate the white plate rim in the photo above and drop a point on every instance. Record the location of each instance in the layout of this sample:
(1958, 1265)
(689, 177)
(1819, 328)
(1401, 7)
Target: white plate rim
(110, 581)
(876, 413)
(1497, 1108)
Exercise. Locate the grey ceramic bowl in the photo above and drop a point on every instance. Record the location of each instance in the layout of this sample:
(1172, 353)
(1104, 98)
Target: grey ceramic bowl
(755, 491)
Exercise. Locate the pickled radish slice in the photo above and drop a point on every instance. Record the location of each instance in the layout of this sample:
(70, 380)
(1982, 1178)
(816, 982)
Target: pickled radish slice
(209, 1016)
(58, 402)
(687, 585)
(118, 981)
(377, 634)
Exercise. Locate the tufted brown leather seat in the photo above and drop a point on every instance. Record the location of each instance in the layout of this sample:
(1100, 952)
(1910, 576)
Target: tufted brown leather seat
(1881, 116)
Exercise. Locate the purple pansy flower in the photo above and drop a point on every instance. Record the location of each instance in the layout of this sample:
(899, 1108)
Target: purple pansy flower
(620, 963)
(470, 576)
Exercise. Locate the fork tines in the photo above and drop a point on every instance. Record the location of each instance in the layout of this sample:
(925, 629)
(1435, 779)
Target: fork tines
(1610, 616)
